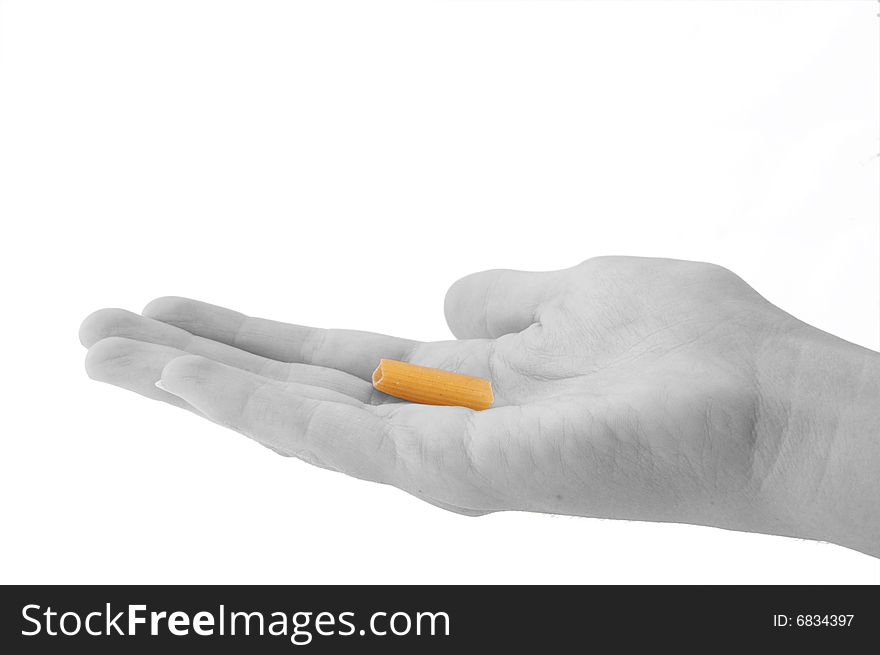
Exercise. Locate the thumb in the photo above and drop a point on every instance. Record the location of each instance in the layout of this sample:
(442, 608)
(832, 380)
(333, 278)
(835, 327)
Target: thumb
(497, 302)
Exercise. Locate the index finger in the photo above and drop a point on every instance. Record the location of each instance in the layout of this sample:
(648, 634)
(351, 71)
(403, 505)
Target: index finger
(351, 351)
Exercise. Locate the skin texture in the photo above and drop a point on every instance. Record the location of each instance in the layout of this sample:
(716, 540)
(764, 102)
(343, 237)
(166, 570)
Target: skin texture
(632, 388)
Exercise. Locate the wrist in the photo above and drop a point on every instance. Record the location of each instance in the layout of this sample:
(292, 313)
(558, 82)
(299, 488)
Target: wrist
(817, 450)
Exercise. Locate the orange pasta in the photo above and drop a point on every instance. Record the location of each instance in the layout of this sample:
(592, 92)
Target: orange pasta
(431, 386)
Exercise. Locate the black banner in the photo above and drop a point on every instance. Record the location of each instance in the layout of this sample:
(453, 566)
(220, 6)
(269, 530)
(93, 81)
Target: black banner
(47, 619)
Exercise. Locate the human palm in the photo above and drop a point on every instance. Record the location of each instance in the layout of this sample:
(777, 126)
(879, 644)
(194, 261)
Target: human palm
(624, 387)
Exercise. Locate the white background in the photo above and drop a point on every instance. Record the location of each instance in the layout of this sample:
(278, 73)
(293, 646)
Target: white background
(339, 164)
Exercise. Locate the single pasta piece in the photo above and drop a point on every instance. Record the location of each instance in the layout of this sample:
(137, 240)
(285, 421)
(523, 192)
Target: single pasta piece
(431, 386)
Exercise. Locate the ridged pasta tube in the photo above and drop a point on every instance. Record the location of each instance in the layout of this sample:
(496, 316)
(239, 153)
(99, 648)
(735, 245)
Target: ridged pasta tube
(431, 386)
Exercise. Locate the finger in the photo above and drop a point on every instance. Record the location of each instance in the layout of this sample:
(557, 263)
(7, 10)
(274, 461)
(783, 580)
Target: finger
(493, 303)
(106, 323)
(464, 511)
(132, 365)
(137, 366)
(351, 351)
(289, 419)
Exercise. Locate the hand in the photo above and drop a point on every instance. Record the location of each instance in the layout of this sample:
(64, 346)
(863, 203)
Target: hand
(625, 388)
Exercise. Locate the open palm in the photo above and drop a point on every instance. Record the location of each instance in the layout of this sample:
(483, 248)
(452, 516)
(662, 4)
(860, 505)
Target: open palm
(625, 387)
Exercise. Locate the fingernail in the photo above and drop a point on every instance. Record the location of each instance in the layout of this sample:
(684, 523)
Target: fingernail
(161, 386)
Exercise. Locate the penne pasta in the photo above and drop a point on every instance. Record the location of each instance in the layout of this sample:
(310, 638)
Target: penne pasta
(432, 386)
